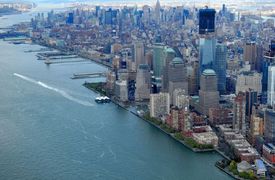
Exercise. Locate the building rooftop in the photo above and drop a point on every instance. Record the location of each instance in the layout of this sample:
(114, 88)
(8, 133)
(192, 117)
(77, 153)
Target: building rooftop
(209, 72)
(177, 60)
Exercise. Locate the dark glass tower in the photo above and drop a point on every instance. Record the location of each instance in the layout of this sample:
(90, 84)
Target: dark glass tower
(206, 20)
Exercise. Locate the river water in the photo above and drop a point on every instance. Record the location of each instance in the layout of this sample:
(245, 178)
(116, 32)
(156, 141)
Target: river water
(50, 128)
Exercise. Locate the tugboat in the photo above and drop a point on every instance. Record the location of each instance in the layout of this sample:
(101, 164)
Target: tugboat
(102, 99)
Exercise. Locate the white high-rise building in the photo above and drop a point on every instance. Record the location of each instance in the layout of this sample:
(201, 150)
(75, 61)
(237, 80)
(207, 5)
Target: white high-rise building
(271, 86)
(249, 80)
(159, 104)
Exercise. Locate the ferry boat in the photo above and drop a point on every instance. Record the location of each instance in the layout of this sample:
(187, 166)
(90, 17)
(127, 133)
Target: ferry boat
(102, 99)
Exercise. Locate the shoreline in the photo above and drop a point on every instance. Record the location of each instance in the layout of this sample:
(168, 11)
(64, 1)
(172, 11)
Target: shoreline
(172, 135)
(194, 150)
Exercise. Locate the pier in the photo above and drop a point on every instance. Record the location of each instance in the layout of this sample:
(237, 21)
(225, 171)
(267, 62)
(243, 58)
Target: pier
(88, 75)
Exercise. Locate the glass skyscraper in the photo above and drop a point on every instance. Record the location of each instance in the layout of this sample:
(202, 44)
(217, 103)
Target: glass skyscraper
(207, 53)
(271, 86)
(220, 66)
(158, 59)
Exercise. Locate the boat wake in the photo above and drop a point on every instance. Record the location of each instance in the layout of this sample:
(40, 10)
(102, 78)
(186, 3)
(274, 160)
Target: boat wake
(61, 92)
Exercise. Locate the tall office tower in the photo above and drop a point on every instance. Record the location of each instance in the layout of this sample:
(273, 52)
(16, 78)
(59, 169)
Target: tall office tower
(268, 60)
(157, 12)
(208, 94)
(159, 105)
(149, 59)
(239, 123)
(251, 97)
(207, 45)
(206, 21)
(70, 19)
(146, 14)
(108, 17)
(220, 66)
(158, 59)
(143, 83)
(250, 54)
(207, 48)
(249, 80)
(169, 55)
(176, 73)
(121, 90)
(193, 78)
(139, 54)
(97, 11)
(269, 130)
(271, 86)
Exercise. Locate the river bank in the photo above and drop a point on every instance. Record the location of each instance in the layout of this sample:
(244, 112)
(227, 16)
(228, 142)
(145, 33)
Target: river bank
(99, 88)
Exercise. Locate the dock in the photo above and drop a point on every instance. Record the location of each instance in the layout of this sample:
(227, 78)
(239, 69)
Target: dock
(88, 75)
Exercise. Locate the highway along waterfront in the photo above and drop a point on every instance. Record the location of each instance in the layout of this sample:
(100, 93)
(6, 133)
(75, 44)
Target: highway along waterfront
(51, 128)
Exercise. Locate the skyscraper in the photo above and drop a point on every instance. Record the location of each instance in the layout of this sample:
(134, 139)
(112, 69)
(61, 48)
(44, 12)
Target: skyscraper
(249, 80)
(139, 53)
(206, 20)
(239, 123)
(220, 66)
(159, 105)
(269, 130)
(268, 60)
(70, 19)
(169, 55)
(207, 49)
(271, 86)
(250, 54)
(157, 12)
(208, 94)
(143, 83)
(158, 59)
(176, 73)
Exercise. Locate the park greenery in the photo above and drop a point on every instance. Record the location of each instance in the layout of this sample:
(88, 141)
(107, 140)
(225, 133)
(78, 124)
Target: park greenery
(245, 175)
(96, 86)
(178, 135)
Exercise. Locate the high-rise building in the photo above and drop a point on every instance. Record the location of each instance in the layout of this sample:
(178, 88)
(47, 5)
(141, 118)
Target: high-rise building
(206, 20)
(193, 78)
(157, 12)
(207, 52)
(169, 55)
(269, 130)
(220, 66)
(251, 97)
(250, 54)
(143, 83)
(70, 19)
(239, 123)
(176, 73)
(158, 59)
(271, 86)
(159, 105)
(139, 53)
(208, 94)
(121, 90)
(180, 99)
(268, 60)
(108, 17)
(249, 80)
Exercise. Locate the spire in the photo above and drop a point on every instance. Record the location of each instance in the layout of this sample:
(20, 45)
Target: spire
(157, 12)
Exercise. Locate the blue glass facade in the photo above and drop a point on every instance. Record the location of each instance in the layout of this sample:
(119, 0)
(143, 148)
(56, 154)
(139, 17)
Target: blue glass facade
(220, 66)
(207, 53)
